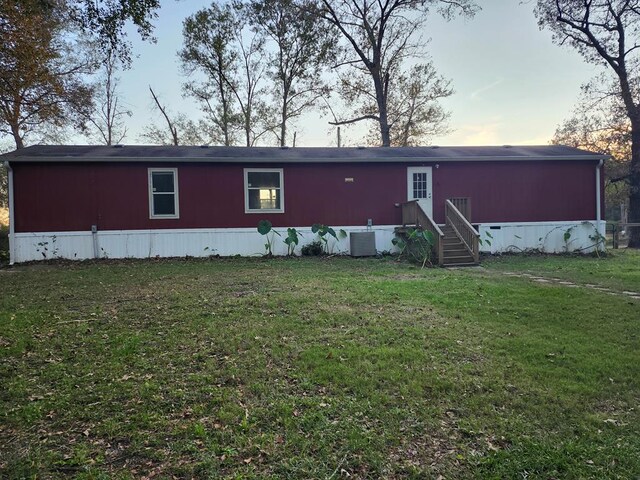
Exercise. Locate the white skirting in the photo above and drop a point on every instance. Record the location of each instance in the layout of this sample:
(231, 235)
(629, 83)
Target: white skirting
(173, 243)
(509, 237)
(549, 237)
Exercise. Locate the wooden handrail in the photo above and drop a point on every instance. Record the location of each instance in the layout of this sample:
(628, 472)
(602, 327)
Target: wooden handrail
(463, 204)
(463, 229)
(413, 214)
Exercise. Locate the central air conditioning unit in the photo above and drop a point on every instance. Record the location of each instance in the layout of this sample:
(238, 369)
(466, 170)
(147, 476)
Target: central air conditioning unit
(362, 244)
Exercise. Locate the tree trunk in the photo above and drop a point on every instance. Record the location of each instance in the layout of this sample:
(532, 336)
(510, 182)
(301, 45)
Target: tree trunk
(15, 131)
(225, 119)
(247, 125)
(385, 130)
(634, 185)
(283, 118)
(381, 99)
(225, 103)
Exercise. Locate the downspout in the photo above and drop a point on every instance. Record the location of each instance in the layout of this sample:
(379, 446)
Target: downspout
(12, 220)
(598, 199)
(598, 212)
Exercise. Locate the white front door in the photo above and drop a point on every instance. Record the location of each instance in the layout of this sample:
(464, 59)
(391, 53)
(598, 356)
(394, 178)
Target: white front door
(419, 185)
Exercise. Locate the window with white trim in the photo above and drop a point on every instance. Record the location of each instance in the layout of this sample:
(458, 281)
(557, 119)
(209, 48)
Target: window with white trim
(420, 185)
(263, 190)
(163, 193)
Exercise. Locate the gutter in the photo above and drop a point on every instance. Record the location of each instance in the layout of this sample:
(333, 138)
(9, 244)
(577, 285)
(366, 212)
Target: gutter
(598, 193)
(302, 159)
(12, 223)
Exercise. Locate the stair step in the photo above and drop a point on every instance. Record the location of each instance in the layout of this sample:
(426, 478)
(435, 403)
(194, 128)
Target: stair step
(456, 253)
(466, 261)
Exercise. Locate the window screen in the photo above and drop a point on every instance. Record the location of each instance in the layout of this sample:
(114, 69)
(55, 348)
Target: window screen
(263, 190)
(163, 192)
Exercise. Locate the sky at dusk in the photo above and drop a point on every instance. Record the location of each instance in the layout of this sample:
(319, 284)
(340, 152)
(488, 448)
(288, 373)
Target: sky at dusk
(512, 84)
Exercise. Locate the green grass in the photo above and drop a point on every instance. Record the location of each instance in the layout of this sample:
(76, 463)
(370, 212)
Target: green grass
(619, 269)
(315, 368)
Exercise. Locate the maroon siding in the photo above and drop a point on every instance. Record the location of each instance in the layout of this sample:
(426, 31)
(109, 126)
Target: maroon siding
(67, 197)
(74, 196)
(533, 191)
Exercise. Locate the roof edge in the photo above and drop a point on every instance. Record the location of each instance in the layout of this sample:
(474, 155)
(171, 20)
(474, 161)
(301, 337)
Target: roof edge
(521, 158)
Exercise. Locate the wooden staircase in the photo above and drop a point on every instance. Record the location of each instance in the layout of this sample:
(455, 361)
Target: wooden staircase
(455, 253)
(456, 242)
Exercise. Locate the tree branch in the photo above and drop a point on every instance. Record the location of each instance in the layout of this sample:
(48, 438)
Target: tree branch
(354, 120)
(172, 128)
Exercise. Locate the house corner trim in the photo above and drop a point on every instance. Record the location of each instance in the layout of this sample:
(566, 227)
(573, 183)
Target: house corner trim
(12, 223)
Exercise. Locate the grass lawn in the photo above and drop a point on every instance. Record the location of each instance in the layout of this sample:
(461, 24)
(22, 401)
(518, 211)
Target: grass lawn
(315, 368)
(619, 269)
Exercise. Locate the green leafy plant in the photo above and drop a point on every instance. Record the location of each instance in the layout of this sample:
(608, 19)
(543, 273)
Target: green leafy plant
(211, 250)
(400, 244)
(324, 232)
(487, 241)
(265, 228)
(292, 240)
(599, 240)
(566, 238)
(417, 246)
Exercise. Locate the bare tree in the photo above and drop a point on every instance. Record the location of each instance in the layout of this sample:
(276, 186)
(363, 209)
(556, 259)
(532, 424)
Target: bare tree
(413, 106)
(381, 35)
(246, 85)
(179, 129)
(600, 124)
(303, 48)
(229, 59)
(107, 121)
(170, 123)
(208, 35)
(188, 132)
(605, 33)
